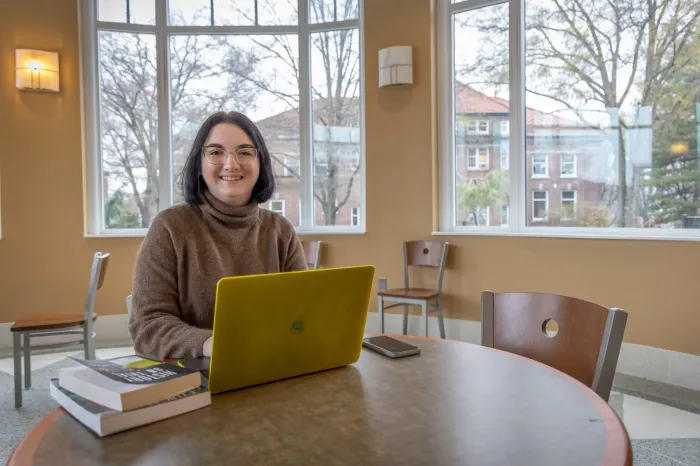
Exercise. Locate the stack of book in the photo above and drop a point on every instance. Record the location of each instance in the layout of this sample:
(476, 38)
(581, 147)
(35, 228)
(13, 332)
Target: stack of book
(113, 395)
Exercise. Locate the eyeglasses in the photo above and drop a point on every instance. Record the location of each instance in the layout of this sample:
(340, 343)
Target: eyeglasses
(218, 156)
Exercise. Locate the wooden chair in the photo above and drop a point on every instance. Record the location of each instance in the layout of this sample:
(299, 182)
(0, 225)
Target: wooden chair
(586, 346)
(421, 254)
(43, 325)
(312, 251)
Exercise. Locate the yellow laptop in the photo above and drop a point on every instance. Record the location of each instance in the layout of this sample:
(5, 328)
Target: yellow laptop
(275, 326)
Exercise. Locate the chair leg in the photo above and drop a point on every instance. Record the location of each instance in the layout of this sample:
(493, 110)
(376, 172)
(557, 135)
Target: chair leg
(27, 362)
(380, 308)
(17, 355)
(424, 310)
(441, 322)
(405, 319)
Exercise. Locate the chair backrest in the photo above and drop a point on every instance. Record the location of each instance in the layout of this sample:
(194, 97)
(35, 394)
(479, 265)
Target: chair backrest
(312, 251)
(586, 347)
(425, 254)
(128, 305)
(97, 278)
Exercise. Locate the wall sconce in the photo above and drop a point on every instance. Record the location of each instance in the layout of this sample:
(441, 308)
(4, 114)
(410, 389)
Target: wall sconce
(396, 66)
(36, 70)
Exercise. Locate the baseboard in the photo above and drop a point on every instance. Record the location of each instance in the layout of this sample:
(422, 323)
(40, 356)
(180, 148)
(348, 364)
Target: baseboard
(647, 362)
(112, 327)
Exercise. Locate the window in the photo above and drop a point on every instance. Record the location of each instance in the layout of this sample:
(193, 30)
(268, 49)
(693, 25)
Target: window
(321, 169)
(355, 216)
(277, 206)
(568, 205)
(505, 128)
(505, 155)
(540, 166)
(518, 66)
(153, 70)
(478, 158)
(505, 215)
(540, 206)
(291, 166)
(480, 127)
(568, 165)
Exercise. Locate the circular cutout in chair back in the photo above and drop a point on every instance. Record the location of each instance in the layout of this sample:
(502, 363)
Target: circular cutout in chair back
(550, 328)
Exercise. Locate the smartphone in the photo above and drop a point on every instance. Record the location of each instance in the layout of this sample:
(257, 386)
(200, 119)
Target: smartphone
(390, 347)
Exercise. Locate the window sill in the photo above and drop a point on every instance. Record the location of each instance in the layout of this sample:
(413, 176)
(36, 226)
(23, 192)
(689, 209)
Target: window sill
(540, 177)
(316, 232)
(568, 177)
(537, 232)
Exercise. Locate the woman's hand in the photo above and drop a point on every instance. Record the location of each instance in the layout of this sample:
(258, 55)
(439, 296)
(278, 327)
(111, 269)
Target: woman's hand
(206, 348)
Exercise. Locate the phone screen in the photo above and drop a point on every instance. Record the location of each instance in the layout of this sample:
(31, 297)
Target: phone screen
(390, 344)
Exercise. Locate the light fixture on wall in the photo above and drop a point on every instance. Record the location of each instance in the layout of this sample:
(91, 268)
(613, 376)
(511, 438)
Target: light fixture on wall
(36, 70)
(396, 66)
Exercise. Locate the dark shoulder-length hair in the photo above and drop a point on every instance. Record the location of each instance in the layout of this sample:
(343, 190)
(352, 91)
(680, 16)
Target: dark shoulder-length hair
(191, 180)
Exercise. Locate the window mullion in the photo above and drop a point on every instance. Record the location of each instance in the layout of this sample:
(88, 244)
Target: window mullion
(305, 116)
(518, 132)
(165, 183)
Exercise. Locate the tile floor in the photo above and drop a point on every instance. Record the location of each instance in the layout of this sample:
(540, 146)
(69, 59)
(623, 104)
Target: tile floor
(662, 435)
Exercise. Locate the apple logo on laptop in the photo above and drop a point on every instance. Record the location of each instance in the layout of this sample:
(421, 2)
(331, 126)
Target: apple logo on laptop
(298, 326)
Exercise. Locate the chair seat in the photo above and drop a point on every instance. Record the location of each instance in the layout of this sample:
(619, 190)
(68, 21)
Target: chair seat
(48, 321)
(411, 293)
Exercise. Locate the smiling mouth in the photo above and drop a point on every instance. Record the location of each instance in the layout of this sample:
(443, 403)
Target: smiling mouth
(231, 178)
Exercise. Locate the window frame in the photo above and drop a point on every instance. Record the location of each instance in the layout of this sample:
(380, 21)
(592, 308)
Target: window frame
(517, 192)
(574, 174)
(354, 215)
(546, 206)
(477, 156)
(573, 201)
(540, 176)
(283, 209)
(89, 26)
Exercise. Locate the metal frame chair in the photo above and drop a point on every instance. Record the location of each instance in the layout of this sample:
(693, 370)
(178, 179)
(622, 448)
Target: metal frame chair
(31, 326)
(421, 254)
(312, 252)
(128, 305)
(586, 347)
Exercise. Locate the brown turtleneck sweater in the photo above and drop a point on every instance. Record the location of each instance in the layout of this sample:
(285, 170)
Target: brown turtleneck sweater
(187, 249)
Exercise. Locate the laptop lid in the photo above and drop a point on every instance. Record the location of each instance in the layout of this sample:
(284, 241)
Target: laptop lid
(275, 326)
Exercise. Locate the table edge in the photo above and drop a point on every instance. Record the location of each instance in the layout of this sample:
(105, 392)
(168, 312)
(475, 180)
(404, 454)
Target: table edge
(613, 455)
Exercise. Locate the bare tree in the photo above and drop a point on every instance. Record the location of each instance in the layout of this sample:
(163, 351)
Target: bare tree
(604, 53)
(129, 104)
(335, 98)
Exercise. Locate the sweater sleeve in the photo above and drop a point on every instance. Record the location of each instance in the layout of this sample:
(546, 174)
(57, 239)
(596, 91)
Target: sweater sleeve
(296, 260)
(155, 323)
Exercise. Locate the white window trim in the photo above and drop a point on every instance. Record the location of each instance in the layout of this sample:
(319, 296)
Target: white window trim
(488, 159)
(546, 207)
(546, 166)
(575, 202)
(281, 211)
(561, 165)
(93, 205)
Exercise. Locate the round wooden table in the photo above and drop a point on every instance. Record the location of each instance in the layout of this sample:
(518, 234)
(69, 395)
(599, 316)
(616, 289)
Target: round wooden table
(454, 404)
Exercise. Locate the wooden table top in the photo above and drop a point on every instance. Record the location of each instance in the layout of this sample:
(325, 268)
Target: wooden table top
(454, 404)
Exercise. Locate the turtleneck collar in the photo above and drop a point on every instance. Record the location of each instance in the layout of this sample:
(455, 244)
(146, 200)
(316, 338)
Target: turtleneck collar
(246, 215)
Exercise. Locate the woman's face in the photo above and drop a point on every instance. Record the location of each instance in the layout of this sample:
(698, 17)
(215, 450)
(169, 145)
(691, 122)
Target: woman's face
(230, 178)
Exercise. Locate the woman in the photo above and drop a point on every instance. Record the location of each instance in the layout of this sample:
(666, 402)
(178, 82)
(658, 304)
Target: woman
(219, 232)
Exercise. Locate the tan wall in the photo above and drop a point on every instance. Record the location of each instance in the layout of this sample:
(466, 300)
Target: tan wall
(44, 258)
